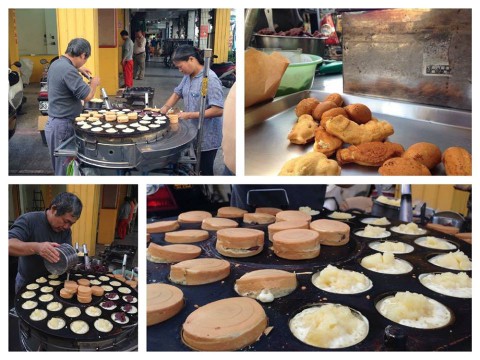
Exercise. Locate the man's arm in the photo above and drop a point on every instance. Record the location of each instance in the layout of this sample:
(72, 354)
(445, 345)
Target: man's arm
(46, 249)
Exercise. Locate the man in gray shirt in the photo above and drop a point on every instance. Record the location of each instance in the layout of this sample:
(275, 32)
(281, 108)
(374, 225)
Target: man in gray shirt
(139, 55)
(34, 236)
(66, 89)
(127, 59)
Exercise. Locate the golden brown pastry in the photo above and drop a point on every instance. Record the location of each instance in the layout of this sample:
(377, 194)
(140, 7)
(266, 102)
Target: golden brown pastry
(332, 113)
(122, 119)
(321, 108)
(373, 153)
(352, 133)
(312, 163)
(303, 131)
(425, 153)
(403, 166)
(110, 117)
(359, 113)
(306, 106)
(336, 98)
(457, 161)
(326, 143)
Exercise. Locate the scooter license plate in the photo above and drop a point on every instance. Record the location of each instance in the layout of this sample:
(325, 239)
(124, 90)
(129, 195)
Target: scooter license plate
(43, 105)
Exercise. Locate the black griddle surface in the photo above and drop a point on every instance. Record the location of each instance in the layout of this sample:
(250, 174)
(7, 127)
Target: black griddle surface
(166, 336)
(65, 333)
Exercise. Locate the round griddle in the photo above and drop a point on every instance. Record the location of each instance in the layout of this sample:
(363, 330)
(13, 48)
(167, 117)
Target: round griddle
(457, 335)
(120, 134)
(65, 333)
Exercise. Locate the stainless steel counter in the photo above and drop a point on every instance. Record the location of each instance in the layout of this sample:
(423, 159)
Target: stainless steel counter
(267, 147)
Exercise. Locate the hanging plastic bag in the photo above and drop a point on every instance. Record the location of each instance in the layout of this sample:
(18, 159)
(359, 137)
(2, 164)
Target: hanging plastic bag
(73, 168)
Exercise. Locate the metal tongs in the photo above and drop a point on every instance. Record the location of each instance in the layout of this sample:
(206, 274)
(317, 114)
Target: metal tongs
(85, 257)
(124, 264)
(406, 213)
(86, 76)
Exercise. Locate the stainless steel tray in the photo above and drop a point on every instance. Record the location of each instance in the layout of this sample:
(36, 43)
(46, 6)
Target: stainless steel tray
(267, 147)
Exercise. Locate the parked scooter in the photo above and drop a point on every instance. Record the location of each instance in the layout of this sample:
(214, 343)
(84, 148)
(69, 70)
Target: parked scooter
(43, 95)
(15, 97)
(226, 72)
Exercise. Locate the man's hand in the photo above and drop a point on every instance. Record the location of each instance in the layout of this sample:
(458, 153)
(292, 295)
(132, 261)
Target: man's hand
(85, 71)
(48, 251)
(95, 81)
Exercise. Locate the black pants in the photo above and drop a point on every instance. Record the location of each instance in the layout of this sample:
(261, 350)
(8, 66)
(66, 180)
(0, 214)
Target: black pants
(206, 162)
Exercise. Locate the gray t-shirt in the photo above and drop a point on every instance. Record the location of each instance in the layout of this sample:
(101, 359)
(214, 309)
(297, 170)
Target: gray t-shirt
(127, 50)
(34, 227)
(189, 90)
(66, 89)
(124, 212)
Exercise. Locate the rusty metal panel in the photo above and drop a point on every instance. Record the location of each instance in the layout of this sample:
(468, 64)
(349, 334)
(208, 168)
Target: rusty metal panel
(416, 55)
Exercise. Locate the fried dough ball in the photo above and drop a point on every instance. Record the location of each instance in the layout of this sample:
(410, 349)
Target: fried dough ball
(425, 153)
(306, 106)
(321, 108)
(336, 98)
(359, 113)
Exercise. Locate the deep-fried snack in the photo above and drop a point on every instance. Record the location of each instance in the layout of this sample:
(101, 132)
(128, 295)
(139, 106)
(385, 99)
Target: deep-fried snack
(336, 98)
(332, 113)
(303, 131)
(312, 163)
(306, 106)
(403, 166)
(321, 108)
(352, 133)
(457, 161)
(425, 153)
(325, 142)
(373, 153)
(359, 113)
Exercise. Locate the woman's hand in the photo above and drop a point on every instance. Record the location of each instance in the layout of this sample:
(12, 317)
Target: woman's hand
(184, 115)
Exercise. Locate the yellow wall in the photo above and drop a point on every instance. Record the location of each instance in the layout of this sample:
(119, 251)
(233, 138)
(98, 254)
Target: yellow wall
(85, 229)
(441, 197)
(121, 26)
(106, 227)
(108, 70)
(108, 218)
(222, 35)
(74, 23)
(12, 38)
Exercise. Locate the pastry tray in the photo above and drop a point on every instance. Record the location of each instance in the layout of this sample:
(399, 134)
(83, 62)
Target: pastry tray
(65, 333)
(267, 147)
(457, 335)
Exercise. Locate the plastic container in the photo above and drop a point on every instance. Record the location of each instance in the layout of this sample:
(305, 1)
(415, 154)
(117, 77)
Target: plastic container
(68, 259)
(299, 76)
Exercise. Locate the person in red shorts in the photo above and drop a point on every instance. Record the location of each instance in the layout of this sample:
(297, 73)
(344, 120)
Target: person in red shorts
(124, 213)
(127, 59)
